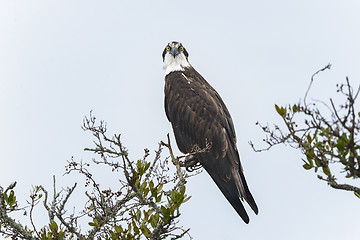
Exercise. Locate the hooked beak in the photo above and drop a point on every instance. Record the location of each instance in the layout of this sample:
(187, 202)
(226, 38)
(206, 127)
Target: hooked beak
(174, 51)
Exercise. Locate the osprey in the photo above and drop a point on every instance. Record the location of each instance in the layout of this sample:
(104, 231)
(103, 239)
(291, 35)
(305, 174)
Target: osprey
(200, 120)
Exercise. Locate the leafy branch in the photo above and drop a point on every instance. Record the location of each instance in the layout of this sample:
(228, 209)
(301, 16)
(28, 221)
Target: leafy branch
(145, 204)
(327, 139)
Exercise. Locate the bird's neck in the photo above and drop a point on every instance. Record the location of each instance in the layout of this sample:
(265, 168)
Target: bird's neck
(179, 63)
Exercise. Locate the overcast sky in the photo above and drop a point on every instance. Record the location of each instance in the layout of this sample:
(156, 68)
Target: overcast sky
(61, 59)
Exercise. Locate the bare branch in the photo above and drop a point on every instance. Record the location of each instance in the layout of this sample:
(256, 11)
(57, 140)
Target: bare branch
(312, 79)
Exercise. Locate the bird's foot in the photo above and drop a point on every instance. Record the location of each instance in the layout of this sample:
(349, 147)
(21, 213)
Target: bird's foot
(191, 163)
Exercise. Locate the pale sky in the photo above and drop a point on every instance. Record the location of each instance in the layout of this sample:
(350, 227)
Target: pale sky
(61, 59)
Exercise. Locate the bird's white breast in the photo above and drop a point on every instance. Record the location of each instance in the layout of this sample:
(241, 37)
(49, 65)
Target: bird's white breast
(172, 64)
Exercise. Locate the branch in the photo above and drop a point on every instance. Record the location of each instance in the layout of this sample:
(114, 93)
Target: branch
(176, 162)
(312, 79)
(16, 229)
(324, 141)
(332, 182)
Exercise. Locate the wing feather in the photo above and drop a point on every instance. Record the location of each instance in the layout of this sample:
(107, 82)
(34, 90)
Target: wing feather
(198, 115)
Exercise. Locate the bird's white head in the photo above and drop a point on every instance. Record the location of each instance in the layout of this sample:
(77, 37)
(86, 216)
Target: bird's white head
(175, 57)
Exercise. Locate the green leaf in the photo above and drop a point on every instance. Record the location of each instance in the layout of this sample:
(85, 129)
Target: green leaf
(310, 157)
(154, 219)
(146, 216)
(186, 199)
(92, 224)
(137, 182)
(147, 165)
(118, 229)
(136, 229)
(160, 187)
(11, 197)
(141, 167)
(6, 197)
(326, 170)
(138, 215)
(182, 191)
(61, 235)
(317, 162)
(166, 214)
(280, 110)
(295, 108)
(357, 194)
(158, 198)
(307, 166)
(309, 138)
(95, 223)
(146, 191)
(277, 108)
(145, 230)
(53, 227)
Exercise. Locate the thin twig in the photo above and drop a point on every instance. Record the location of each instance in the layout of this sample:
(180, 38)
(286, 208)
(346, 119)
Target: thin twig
(176, 162)
(312, 79)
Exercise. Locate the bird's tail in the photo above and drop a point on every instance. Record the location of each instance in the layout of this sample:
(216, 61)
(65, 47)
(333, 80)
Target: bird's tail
(247, 194)
(231, 193)
(230, 179)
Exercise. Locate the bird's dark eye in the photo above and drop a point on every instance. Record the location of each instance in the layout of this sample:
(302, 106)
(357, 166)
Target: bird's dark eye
(167, 48)
(181, 48)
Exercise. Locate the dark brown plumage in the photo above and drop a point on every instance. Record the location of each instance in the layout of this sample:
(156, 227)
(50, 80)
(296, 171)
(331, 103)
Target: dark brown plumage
(199, 116)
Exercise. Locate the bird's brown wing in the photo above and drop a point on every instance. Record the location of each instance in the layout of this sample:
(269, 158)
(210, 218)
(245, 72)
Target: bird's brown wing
(199, 116)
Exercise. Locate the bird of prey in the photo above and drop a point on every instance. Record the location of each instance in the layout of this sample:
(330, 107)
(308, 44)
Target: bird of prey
(200, 120)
